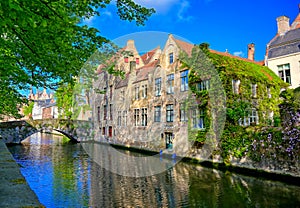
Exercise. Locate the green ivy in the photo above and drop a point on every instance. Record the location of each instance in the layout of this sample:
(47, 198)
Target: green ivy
(236, 139)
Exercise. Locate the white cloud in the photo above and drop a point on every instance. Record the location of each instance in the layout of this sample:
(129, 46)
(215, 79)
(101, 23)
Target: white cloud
(184, 5)
(106, 13)
(239, 53)
(103, 16)
(89, 21)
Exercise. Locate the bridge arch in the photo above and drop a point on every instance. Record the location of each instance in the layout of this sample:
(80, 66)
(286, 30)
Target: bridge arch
(17, 131)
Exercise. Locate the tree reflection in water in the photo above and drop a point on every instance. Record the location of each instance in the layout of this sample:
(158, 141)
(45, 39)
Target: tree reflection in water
(63, 175)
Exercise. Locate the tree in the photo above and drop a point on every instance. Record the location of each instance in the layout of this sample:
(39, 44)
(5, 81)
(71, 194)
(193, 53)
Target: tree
(44, 42)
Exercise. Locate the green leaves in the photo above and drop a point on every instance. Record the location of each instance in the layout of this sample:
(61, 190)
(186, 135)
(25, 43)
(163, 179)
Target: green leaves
(42, 42)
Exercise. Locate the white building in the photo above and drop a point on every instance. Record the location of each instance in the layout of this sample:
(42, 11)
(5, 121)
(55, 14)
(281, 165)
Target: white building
(44, 105)
(283, 51)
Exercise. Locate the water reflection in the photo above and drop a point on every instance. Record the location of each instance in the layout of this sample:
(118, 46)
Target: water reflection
(63, 175)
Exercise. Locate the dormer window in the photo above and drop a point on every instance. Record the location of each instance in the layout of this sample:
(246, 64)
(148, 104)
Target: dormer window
(137, 61)
(171, 58)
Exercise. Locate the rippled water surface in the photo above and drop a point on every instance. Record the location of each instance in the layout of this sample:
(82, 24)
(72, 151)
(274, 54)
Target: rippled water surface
(63, 175)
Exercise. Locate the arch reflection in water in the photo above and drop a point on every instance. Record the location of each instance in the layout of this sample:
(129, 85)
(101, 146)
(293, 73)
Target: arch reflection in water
(109, 158)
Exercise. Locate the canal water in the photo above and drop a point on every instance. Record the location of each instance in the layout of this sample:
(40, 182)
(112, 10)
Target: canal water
(63, 175)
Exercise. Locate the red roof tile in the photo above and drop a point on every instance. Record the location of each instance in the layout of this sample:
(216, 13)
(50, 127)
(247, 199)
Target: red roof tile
(236, 57)
(147, 56)
(187, 47)
(296, 23)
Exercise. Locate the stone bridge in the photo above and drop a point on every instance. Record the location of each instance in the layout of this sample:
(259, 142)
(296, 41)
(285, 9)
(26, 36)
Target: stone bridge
(16, 131)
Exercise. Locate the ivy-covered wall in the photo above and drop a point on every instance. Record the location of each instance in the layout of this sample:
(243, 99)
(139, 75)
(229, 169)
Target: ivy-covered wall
(237, 138)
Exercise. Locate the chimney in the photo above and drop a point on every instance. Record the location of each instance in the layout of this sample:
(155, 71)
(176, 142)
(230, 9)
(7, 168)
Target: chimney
(251, 50)
(130, 45)
(283, 24)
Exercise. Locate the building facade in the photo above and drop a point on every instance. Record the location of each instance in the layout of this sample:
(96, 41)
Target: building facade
(153, 106)
(44, 105)
(283, 51)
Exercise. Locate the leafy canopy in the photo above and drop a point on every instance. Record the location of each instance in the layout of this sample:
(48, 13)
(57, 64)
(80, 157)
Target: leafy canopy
(44, 42)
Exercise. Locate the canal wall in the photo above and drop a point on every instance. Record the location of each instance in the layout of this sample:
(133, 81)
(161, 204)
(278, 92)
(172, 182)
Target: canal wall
(14, 190)
(273, 170)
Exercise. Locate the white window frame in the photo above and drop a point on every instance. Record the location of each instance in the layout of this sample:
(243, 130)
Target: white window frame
(158, 87)
(236, 86)
(170, 84)
(282, 72)
(144, 116)
(157, 113)
(184, 80)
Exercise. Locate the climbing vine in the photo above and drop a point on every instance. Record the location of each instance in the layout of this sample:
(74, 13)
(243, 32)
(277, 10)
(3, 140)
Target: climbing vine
(258, 88)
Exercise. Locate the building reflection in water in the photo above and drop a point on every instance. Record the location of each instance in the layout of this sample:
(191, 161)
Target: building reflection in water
(63, 175)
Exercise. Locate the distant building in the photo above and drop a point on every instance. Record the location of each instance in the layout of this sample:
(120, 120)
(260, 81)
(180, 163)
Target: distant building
(44, 105)
(283, 51)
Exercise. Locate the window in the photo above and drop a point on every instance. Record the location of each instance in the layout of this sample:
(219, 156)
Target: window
(137, 61)
(198, 118)
(110, 133)
(169, 140)
(170, 113)
(157, 86)
(236, 86)
(144, 91)
(170, 84)
(183, 113)
(253, 116)
(254, 90)
(103, 130)
(203, 85)
(171, 58)
(111, 111)
(244, 121)
(284, 72)
(184, 80)
(136, 117)
(137, 94)
(110, 91)
(98, 113)
(126, 59)
(104, 112)
(125, 118)
(157, 113)
(269, 92)
(144, 116)
(119, 118)
(123, 95)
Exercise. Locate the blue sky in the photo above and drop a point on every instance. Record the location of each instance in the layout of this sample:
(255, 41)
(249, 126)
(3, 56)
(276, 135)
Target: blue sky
(224, 24)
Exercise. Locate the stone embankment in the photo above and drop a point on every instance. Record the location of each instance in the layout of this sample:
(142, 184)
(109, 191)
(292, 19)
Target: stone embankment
(14, 190)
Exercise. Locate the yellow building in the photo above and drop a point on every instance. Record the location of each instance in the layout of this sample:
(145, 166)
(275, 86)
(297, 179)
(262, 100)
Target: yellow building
(146, 108)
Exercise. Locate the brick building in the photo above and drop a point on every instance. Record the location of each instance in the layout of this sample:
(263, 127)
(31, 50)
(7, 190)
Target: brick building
(153, 106)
